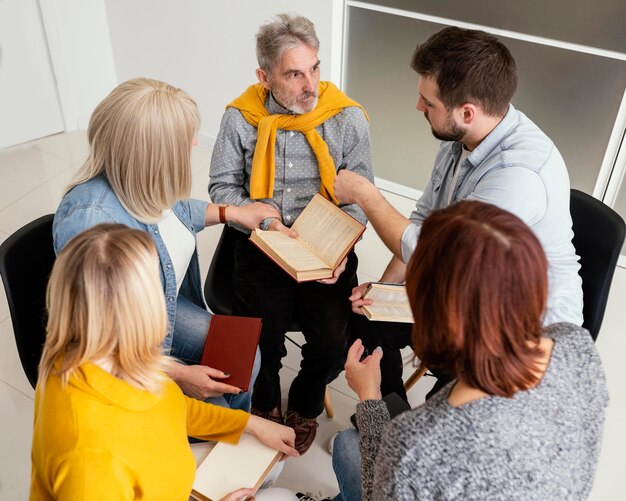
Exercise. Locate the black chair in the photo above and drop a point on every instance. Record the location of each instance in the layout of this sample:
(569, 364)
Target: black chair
(598, 238)
(26, 260)
(218, 288)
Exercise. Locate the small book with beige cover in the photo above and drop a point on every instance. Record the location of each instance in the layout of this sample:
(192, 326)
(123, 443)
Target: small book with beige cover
(326, 235)
(389, 303)
(230, 467)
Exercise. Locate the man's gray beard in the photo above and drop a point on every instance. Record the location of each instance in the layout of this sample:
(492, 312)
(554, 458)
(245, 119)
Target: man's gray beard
(301, 111)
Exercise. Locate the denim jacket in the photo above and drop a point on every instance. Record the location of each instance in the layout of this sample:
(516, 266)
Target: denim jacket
(95, 202)
(519, 169)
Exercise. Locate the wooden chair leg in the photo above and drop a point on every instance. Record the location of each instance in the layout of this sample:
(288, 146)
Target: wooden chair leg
(415, 377)
(328, 405)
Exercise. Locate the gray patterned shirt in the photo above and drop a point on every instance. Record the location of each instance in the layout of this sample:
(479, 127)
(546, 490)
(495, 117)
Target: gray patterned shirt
(297, 176)
(541, 444)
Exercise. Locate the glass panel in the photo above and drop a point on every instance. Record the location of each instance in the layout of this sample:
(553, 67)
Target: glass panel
(596, 24)
(573, 97)
(620, 203)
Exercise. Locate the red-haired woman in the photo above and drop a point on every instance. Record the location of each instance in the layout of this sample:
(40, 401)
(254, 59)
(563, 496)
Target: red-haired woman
(523, 418)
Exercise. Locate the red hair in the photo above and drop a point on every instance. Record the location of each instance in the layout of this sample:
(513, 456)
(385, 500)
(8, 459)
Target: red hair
(477, 284)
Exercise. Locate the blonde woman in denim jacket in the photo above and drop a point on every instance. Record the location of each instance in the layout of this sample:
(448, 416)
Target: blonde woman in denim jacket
(138, 173)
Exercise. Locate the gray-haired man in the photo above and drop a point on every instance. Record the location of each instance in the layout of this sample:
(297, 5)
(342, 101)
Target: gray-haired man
(283, 140)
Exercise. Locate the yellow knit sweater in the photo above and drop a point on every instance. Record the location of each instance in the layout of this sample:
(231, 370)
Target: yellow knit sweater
(100, 438)
(251, 104)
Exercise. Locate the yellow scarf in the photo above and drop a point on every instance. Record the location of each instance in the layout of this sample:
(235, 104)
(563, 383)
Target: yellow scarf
(251, 104)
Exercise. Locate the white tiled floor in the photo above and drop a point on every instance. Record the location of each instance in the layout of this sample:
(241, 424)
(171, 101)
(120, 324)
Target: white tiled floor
(33, 177)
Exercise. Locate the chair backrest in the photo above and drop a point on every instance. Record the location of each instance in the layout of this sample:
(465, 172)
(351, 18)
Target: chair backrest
(218, 286)
(26, 260)
(598, 238)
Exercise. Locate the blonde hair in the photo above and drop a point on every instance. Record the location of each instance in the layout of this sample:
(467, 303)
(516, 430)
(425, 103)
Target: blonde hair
(140, 137)
(105, 301)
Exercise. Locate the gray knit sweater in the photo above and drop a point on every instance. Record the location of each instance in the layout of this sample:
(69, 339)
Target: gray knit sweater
(541, 444)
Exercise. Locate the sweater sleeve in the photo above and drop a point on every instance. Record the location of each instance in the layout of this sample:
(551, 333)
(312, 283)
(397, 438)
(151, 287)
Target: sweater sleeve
(371, 416)
(212, 422)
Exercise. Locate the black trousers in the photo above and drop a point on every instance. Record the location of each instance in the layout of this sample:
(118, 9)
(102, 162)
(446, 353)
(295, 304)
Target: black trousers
(263, 289)
(391, 337)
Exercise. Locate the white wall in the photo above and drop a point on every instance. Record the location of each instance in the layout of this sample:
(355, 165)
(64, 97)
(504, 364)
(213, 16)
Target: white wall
(28, 97)
(80, 49)
(207, 47)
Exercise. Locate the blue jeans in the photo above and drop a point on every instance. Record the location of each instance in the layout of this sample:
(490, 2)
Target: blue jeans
(347, 465)
(190, 330)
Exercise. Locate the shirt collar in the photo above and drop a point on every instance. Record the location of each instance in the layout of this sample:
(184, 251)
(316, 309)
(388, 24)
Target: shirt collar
(494, 138)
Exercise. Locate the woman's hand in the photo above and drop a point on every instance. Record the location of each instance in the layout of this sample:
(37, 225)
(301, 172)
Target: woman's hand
(198, 381)
(364, 376)
(250, 216)
(239, 495)
(274, 435)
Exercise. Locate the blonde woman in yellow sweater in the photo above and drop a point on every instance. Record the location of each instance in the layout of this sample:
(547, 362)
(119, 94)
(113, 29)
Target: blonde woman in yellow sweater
(109, 423)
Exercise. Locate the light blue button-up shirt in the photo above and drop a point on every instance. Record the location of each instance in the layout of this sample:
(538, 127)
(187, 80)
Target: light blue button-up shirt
(519, 169)
(94, 202)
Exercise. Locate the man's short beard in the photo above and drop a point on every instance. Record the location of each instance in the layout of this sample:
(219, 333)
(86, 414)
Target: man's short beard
(452, 131)
(293, 106)
(296, 108)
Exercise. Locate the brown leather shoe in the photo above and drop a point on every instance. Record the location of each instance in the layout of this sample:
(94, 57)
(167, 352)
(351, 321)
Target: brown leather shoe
(305, 429)
(276, 414)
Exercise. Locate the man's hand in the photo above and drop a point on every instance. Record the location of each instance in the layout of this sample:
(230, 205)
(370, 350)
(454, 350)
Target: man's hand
(274, 435)
(357, 298)
(197, 381)
(239, 495)
(336, 274)
(250, 216)
(364, 376)
(277, 225)
(351, 187)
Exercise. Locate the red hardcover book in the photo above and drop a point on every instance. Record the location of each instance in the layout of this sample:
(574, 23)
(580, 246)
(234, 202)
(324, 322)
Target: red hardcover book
(230, 346)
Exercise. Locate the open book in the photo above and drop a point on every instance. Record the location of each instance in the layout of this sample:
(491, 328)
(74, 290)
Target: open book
(326, 235)
(229, 467)
(390, 303)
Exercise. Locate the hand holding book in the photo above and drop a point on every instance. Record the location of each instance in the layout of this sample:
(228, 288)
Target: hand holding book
(277, 225)
(229, 466)
(388, 303)
(273, 435)
(357, 300)
(238, 495)
(324, 237)
(336, 273)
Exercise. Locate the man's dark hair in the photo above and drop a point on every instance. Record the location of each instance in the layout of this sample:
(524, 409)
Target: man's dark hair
(468, 66)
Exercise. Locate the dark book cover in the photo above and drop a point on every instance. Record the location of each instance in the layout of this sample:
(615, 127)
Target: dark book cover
(230, 346)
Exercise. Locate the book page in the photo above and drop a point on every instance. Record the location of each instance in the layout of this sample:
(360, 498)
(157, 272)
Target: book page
(327, 230)
(398, 312)
(389, 302)
(230, 467)
(291, 251)
(386, 293)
